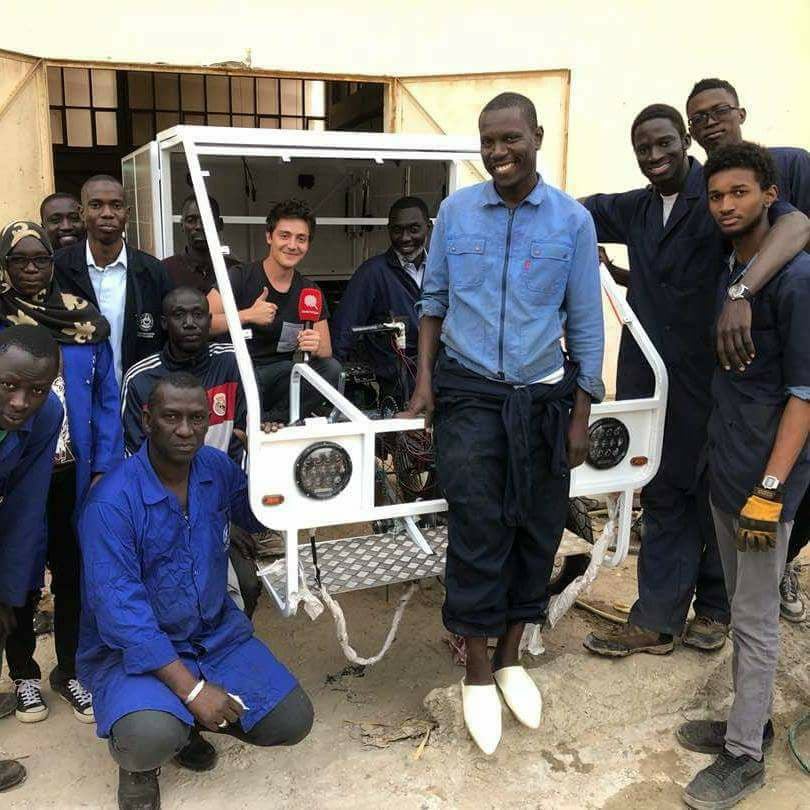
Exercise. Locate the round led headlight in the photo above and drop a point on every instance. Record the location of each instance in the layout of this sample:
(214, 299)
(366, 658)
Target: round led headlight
(608, 443)
(323, 470)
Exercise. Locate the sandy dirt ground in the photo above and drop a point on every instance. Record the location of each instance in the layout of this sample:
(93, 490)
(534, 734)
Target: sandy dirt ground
(606, 742)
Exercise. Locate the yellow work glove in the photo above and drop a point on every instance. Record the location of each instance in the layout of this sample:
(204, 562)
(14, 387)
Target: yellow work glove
(758, 520)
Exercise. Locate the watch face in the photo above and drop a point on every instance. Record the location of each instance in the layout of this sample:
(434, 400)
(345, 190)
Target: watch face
(770, 482)
(736, 291)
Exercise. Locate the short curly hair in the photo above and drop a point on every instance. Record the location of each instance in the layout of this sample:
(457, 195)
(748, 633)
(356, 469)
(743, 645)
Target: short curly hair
(291, 209)
(743, 155)
(654, 111)
(713, 84)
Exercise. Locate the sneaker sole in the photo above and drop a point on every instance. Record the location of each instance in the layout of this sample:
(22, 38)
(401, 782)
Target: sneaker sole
(32, 717)
(82, 718)
(662, 649)
(723, 804)
(703, 646)
(794, 618)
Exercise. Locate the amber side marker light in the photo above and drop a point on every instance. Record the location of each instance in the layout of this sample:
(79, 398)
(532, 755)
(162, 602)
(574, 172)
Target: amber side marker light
(272, 500)
(638, 461)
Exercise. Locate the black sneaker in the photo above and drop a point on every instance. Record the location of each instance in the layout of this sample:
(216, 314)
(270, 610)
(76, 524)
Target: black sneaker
(31, 706)
(77, 696)
(725, 782)
(198, 754)
(12, 773)
(709, 736)
(138, 791)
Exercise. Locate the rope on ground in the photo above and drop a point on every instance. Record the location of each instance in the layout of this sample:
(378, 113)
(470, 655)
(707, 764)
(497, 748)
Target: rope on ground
(559, 605)
(343, 633)
(793, 733)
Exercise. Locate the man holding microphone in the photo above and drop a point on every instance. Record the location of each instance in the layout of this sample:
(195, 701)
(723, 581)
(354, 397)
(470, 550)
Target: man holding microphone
(511, 260)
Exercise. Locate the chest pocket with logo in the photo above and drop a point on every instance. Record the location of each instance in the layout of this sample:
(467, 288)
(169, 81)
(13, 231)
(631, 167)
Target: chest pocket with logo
(546, 270)
(467, 261)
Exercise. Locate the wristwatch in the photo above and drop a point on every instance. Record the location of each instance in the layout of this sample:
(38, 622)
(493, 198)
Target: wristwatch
(772, 483)
(738, 291)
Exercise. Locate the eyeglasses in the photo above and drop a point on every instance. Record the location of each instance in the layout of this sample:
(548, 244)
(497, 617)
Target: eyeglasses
(719, 113)
(21, 262)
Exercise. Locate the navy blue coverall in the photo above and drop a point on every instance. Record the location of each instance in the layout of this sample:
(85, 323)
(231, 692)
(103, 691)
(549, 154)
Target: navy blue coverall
(673, 279)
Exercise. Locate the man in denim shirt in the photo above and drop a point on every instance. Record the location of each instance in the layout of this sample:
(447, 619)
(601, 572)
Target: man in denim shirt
(510, 262)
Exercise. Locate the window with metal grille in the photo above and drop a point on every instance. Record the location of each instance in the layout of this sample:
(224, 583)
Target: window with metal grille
(84, 106)
(97, 107)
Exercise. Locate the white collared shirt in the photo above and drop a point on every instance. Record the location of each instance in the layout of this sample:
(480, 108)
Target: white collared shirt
(416, 272)
(110, 285)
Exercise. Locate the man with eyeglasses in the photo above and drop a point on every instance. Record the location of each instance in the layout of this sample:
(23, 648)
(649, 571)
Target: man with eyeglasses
(715, 120)
(675, 251)
(61, 217)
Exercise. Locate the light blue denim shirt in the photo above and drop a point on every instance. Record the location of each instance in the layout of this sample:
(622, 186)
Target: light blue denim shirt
(509, 283)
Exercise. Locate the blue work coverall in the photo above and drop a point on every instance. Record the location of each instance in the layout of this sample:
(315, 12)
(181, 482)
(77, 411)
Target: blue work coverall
(155, 592)
(673, 279)
(26, 462)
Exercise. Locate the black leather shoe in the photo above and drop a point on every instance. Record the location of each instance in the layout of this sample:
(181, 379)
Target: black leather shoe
(138, 790)
(198, 755)
(11, 774)
(725, 782)
(709, 736)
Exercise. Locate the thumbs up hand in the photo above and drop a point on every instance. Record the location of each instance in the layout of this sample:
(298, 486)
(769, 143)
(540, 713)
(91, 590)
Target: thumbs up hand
(261, 312)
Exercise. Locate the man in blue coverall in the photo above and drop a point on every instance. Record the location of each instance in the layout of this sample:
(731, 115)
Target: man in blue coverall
(163, 647)
(511, 260)
(30, 420)
(675, 251)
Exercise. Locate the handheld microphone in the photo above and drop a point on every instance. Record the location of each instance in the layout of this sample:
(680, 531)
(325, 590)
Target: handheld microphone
(310, 306)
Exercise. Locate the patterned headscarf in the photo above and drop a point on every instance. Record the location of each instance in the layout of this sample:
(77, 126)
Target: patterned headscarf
(68, 318)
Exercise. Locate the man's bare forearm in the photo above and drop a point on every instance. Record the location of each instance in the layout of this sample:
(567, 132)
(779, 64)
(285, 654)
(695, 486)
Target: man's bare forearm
(791, 437)
(430, 330)
(178, 678)
(787, 238)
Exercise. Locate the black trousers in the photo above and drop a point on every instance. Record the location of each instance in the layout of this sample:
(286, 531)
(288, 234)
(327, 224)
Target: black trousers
(497, 573)
(273, 379)
(800, 535)
(64, 560)
(145, 740)
(679, 559)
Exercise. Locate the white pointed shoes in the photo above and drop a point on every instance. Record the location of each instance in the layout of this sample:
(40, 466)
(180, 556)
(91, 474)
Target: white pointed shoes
(482, 715)
(521, 694)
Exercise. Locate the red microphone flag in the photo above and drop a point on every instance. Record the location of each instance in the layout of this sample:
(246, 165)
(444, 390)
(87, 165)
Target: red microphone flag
(310, 305)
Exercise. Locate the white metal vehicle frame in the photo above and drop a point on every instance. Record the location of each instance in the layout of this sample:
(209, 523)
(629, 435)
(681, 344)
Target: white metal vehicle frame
(271, 457)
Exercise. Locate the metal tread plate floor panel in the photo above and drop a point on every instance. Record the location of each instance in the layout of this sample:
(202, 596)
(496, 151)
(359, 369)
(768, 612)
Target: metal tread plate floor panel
(370, 561)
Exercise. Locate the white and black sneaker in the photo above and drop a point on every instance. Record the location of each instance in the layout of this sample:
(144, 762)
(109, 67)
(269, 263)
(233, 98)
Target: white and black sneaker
(791, 603)
(31, 706)
(78, 697)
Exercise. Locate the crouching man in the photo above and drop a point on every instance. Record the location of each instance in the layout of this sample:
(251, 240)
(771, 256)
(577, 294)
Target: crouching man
(165, 651)
(759, 466)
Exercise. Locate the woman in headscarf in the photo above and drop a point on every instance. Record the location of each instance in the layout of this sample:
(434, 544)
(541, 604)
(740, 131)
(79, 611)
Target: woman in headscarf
(90, 443)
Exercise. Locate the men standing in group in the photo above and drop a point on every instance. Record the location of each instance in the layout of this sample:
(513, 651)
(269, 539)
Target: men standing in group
(715, 120)
(61, 217)
(510, 261)
(126, 284)
(759, 468)
(385, 286)
(193, 267)
(187, 323)
(30, 422)
(675, 250)
(267, 294)
(164, 650)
